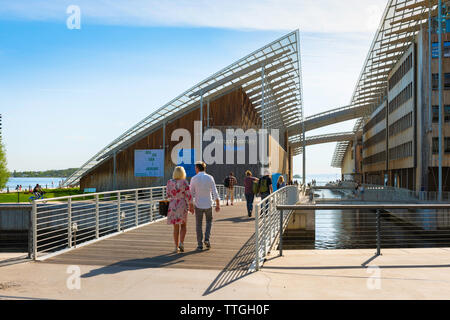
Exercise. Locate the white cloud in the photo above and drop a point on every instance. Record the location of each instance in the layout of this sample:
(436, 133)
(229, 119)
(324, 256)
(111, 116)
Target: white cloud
(307, 15)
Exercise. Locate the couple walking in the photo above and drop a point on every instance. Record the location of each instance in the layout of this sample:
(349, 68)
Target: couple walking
(195, 197)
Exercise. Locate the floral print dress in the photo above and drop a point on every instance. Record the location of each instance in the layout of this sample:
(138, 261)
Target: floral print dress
(180, 196)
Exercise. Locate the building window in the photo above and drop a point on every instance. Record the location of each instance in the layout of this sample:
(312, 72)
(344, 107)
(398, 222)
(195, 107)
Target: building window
(435, 81)
(435, 145)
(446, 52)
(436, 114)
(401, 151)
(401, 71)
(401, 125)
(376, 158)
(380, 116)
(401, 98)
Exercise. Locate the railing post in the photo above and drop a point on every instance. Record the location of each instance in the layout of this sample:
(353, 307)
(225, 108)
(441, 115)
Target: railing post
(378, 233)
(136, 213)
(151, 204)
(257, 238)
(264, 225)
(281, 233)
(69, 222)
(97, 217)
(34, 229)
(118, 211)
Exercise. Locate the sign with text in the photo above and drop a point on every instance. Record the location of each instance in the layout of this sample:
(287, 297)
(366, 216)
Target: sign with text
(149, 163)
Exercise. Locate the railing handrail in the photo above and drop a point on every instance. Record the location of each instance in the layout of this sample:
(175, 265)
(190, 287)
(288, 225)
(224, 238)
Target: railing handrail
(95, 193)
(265, 210)
(108, 192)
(273, 194)
(362, 206)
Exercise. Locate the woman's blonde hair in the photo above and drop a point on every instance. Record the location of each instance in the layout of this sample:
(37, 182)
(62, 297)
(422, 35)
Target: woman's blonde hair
(179, 173)
(248, 173)
(280, 179)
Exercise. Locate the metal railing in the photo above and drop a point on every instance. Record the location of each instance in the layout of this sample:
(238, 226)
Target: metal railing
(239, 194)
(270, 222)
(386, 193)
(63, 223)
(356, 226)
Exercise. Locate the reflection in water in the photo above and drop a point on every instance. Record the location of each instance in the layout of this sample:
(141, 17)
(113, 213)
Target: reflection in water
(344, 229)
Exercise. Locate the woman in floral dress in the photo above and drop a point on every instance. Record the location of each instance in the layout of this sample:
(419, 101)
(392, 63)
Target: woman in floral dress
(180, 198)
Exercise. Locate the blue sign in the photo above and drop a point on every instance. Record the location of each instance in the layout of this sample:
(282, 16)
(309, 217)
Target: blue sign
(275, 177)
(189, 167)
(149, 163)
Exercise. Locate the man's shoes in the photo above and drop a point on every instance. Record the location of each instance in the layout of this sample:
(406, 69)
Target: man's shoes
(181, 247)
(199, 249)
(208, 245)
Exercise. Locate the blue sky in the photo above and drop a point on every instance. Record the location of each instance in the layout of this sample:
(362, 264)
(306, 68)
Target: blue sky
(65, 94)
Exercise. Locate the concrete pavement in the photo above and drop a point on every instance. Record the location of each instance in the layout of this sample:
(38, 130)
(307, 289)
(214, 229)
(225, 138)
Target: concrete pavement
(303, 274)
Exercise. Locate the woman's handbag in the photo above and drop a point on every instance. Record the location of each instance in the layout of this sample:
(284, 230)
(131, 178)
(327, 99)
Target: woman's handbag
(163, 207)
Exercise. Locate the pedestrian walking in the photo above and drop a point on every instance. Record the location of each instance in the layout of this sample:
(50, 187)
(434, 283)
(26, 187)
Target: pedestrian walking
(203, 187)
(229, 184)
(265, 185)
(180, 201)
(280, 182)
(249, 180)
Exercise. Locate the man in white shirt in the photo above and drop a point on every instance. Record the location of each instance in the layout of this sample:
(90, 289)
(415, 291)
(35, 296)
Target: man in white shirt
(202, 186)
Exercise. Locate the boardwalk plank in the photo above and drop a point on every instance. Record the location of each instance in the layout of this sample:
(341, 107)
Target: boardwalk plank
(152, 246)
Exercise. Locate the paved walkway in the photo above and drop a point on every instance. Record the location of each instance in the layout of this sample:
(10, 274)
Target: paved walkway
(309, 274)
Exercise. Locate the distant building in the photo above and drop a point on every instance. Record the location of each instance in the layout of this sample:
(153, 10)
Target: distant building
(399, 140)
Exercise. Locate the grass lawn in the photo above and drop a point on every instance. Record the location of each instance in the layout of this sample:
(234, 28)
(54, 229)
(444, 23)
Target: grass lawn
(49, 193)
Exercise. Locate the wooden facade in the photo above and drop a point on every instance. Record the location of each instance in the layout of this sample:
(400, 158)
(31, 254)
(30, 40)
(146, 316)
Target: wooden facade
(231, 110)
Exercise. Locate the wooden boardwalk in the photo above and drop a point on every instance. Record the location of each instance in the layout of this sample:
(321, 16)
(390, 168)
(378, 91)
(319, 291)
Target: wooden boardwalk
(152, 246)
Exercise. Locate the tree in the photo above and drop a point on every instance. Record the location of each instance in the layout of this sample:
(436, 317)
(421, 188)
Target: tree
(297, 176)
(4, 173)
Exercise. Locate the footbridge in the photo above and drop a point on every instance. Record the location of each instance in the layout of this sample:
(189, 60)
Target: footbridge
(324, 138)
(330, 117)
(124, 228)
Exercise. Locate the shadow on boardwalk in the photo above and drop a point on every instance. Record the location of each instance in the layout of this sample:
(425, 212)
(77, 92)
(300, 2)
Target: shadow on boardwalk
(236, 269)
(161, 261)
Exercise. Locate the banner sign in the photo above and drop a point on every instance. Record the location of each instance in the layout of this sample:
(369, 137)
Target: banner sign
(149, 163)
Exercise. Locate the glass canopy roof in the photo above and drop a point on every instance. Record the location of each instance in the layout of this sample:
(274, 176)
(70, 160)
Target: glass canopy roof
(282, 95)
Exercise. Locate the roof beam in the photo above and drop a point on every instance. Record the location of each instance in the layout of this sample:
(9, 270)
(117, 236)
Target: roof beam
(398, 49)
(238, 74)
(404, 30)
(417, 5)
(397, 41)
